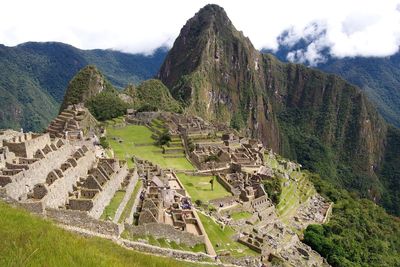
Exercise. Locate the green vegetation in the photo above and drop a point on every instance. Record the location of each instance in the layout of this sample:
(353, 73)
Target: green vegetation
(390, 173)
(163, 139)
(111, 208)
(165, 243)
(359, 232)
(84, 85)
(291, 193)
(34, 76)
(27, 240)
(131, 201)
(137, 140)
(273, 187)
(221, 238)
(152, 95)
(199, 187)
(104, 143)
(241, 215)
(106, 105)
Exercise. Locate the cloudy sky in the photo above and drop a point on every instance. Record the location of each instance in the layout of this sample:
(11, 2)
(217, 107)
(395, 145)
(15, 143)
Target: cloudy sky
(351, 27)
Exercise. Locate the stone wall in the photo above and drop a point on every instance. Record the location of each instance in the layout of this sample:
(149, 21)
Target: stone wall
(103, 198)
(82, 220)
(165, 231)
(28, 147)
(129, 190)
(171, 253)
(58, 190)
(24, 181)
(225, 184)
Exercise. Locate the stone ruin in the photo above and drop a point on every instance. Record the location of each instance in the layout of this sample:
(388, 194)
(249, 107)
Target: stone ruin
(94, 191)
(72, 123)
(243, 185)
(164, 201)
(42, 172)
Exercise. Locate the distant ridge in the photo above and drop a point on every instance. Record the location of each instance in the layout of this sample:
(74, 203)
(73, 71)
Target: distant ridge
(34, 77)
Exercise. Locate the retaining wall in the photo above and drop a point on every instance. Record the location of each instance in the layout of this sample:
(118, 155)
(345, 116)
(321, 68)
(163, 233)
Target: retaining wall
(82, 220)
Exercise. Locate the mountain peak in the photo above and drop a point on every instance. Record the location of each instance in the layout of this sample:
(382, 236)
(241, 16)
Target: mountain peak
(88, 82)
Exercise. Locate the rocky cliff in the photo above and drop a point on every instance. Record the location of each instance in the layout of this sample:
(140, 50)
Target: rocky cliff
(320, 120)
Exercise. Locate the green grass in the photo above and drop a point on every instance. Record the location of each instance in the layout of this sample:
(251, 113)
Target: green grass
(241, 215)
(136, 134)
(199, 187)
(111, 209)
(131, 201)
(26, 240)
(294, 195)
(223, 237)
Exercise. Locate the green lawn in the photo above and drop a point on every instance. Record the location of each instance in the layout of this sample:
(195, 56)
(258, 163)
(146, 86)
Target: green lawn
(26, 240)
(199, 187)
(111, 209)
(131, 136)
(223, 237)
(241, 215)
(129, 205)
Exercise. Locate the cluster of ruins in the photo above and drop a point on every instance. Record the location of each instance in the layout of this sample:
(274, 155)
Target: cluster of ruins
(163, 200)
(63, 170)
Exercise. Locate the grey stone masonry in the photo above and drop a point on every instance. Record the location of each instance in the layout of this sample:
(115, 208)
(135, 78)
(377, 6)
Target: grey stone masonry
(58, 191)
(24, 181)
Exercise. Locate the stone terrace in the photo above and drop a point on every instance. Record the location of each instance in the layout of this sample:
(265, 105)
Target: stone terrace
(93, 192)
(72, 123)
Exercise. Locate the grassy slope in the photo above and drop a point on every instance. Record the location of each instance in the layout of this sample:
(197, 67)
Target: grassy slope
(295, 193)
(111, 208)
(199, 187)
(131, 201)
(223, 237)
(30, 241)
(134, 134)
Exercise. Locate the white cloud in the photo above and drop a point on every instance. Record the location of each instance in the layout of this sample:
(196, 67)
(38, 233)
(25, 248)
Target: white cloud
(353, 27)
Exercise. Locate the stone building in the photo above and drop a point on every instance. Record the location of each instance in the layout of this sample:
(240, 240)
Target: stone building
(164, 201)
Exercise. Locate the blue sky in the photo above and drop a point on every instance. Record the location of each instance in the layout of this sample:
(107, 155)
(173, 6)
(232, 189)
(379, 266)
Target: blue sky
(353, 28)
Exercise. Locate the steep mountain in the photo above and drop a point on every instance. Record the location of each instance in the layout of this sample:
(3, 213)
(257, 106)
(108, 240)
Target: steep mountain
(152, 94)
(34, 76)
(378, 77)
(87, 83)
(320, 120)
(218, 74)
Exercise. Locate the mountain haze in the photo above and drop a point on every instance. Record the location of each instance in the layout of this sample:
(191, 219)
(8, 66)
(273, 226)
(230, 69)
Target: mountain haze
(378, 77)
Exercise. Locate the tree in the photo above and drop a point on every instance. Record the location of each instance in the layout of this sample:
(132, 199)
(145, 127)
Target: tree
(163, 139)
(106, 105)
